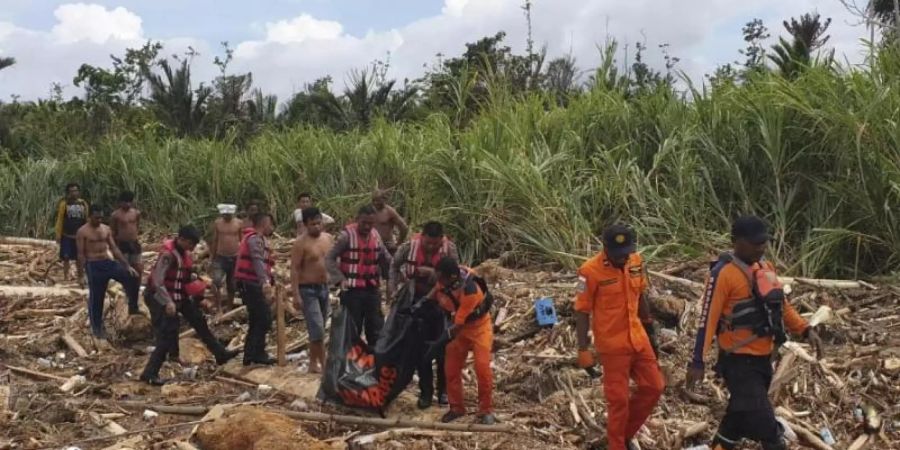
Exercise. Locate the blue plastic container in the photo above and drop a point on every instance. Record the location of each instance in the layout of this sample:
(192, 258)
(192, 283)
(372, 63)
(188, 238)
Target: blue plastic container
(545, 312)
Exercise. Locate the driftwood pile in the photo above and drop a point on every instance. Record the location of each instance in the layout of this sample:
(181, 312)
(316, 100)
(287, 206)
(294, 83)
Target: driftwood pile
(58, 387)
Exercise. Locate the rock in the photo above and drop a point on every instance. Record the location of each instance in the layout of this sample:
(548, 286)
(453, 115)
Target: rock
(249, 428)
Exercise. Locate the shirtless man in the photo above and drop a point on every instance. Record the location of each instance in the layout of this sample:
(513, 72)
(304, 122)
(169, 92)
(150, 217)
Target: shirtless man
(124, 223)
(309, 282)
(386, 219)
(223, 250)
(95, 241)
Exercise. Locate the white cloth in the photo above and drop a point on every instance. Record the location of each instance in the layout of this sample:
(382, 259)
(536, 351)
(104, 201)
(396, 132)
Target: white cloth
(298, 217)
(225, 208)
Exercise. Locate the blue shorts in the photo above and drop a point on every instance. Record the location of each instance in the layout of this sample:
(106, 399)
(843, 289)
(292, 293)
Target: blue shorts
(315, 309)
(68, 249)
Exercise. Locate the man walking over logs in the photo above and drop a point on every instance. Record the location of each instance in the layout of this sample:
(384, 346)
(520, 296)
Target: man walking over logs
(746, 311)
(71, 214)
(357, 262)
(223, 251)
(171, 289)
(125, 225)
(256, 283)
(416, 261)
(95, 242)
(612, 302)
(309, 282)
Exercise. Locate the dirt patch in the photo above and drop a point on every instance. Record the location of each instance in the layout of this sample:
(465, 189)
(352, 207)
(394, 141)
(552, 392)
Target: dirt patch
(248, 428)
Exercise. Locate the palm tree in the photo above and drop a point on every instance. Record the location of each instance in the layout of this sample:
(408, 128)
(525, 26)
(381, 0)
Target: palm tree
(808, 35)
(6, 62)
(173, 100)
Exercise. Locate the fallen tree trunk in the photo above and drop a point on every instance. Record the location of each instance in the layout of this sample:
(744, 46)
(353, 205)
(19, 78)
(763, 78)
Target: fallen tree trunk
(693, 285)
(396, 423)
(829, 284)
(9, 240)
(40, 291)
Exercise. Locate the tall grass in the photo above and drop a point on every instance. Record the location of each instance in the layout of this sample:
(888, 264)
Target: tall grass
(818, 156)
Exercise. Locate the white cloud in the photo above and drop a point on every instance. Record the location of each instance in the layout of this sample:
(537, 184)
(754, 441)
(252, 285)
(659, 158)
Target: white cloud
(94, 23)
(302, 28)
(294, 51)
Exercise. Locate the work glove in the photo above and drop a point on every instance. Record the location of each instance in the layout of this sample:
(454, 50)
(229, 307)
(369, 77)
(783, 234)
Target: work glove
(586, 358)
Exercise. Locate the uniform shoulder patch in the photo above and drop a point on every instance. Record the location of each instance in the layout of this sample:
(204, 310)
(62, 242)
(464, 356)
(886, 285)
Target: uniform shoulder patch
(581, 287)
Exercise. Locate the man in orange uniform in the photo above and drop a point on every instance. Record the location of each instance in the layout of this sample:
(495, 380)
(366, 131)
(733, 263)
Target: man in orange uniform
(745, 309)
(464, 295)
(612, 290)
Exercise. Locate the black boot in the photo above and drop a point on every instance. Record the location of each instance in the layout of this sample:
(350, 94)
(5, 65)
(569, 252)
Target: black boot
(226, 356)
(153, 380)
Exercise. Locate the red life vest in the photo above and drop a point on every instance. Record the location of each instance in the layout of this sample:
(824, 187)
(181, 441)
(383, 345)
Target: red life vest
(359, 262)
(177, 275)
(416, 257)
(243, 269)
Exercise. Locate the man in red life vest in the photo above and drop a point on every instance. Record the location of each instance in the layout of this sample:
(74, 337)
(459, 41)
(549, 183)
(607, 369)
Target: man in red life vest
(415, 261)
(357, 262)
(256, 283)
(170, 290)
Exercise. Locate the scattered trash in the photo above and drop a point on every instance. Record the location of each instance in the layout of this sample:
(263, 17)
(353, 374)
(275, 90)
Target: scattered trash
(150, 414)
(789, 434)
(263, 389)
(244, 397)
(545, 312)
(44, 362)
(299, 405)
(189, 373)
(826, 435)
(698, 447)
(73, 382)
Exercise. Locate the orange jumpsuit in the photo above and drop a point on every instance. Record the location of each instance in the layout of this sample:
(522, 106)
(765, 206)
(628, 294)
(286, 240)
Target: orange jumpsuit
(610, 296)
(476, 336)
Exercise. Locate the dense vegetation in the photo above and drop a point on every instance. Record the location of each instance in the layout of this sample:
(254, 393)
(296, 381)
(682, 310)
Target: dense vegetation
(516, 155)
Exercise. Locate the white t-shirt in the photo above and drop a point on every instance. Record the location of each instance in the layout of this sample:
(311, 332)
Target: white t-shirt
(298, 217)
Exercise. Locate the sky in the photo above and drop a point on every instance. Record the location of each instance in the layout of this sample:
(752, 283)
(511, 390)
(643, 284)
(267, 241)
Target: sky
(288, 43)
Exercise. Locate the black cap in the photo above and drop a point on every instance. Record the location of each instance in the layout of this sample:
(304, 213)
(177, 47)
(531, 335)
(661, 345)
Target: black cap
(618, 241)
(750, 228)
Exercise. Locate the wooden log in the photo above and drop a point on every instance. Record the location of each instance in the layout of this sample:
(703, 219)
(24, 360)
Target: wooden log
(34, 373)
(396, 422)
(10, 240)
(783, 373)
(828, 284)
(859, 443)
(693, 285)
(808, 436)
(279, 326)
(218, 320)
(40, 291)
(73, 344)
(28, 313)
(109, 425)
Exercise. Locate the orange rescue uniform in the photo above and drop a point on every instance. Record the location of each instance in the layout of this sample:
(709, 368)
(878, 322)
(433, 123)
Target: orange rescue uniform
(476, 336)
(726, 286)
(611, 296)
